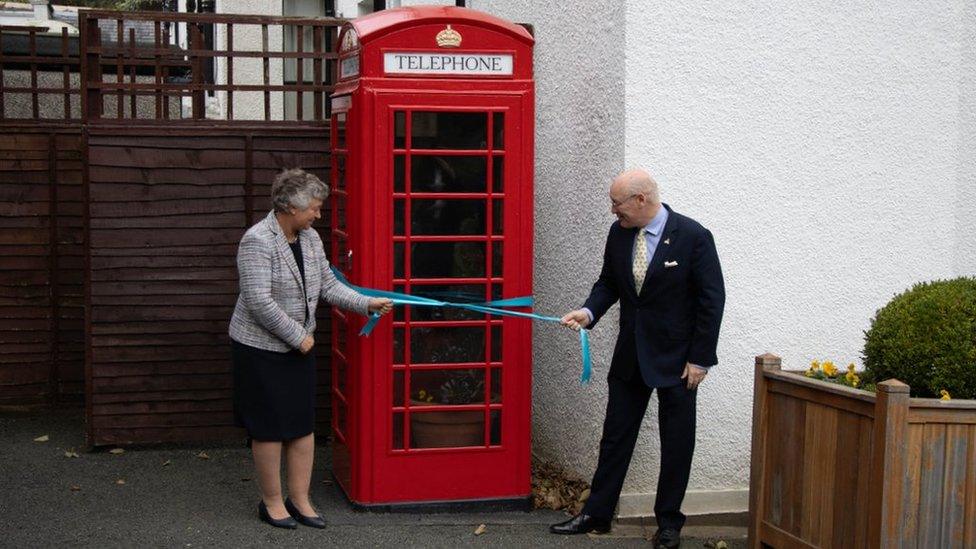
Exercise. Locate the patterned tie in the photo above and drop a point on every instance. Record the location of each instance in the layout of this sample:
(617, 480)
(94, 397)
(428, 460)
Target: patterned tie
(640, 259)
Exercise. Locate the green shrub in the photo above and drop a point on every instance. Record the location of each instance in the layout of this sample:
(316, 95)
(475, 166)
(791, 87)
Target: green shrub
(926, 337)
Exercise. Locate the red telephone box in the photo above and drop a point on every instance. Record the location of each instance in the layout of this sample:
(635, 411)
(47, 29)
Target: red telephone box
(432, 128)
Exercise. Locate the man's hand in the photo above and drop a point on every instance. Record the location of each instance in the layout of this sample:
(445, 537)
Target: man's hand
(694, 374)
(307, 344)
(576, 319)
(380, 305)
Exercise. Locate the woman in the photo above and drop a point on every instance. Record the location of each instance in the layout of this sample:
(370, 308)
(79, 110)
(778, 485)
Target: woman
(283, 274)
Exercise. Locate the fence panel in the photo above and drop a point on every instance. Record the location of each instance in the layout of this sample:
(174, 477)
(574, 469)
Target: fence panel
(166, 214)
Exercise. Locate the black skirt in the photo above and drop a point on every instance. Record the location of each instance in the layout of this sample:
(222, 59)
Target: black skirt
(274, 393)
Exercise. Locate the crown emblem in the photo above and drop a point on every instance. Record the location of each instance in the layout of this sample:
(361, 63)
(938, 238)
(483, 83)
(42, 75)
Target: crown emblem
(350, 40)
(448, 38)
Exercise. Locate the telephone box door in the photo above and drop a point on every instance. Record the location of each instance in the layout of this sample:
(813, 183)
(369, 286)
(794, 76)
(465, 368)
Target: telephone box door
(458, 385)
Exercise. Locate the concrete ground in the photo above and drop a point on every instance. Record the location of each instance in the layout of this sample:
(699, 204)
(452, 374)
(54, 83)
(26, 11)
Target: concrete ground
(171, 497)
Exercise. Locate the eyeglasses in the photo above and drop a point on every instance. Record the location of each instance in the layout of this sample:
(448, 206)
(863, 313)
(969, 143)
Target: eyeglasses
(617, 204)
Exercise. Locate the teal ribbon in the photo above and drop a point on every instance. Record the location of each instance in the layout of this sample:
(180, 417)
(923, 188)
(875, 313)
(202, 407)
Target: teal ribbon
(495, 307)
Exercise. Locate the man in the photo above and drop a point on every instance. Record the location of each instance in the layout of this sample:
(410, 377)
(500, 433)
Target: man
(664, 270)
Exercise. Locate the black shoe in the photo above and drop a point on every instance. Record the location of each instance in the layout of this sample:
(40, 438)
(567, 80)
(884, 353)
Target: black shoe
(666, 538)
(286, 522)
(582, 524)
(314, 521)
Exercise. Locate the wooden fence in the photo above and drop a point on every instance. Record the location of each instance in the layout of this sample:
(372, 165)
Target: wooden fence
(41, 265)
(166, 214)
(838, 467)
(246, 81)
(128, 173)
(41, 219)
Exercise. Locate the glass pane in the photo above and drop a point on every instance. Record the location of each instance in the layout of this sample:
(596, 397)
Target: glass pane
(342, 335)
(448, 174)
(498, 174)
(398, 345)
(458, 293)
(398, 388)
(440, 345)
(340, 413)
(447, 217)
(498, 216)
(447, 429)
(495, 431)
(399, 130)
(496, 259)
(398, 422)
(398, 212)
(340, 130)
(400, 313)
(496, 294)
(340, 171)
(341, 373)
(447, 387)
(340, 222)
(398, 173)
(496, 343)
(449, 130)
(498, 128)
(447, 259)
(398, 261)
(341, 259)
(496, 385)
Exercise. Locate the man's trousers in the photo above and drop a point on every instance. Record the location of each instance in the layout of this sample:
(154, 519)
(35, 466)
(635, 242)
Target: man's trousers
(626, 406)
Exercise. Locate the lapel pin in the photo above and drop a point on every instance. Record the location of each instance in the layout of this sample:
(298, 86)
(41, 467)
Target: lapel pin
(667, 241)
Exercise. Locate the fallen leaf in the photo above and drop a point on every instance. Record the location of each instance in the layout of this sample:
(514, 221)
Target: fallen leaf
(42, 438)
(203, 455)
(120, 481)
(75, 488)
(480, 530)
(116, 451)
(167, 463)
(70, 454)
(721, 545)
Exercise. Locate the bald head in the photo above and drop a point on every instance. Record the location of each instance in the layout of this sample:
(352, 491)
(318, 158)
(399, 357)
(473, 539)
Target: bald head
(634, 198)
(637, 181)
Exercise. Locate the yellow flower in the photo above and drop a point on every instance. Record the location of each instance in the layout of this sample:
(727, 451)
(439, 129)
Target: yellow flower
(815, 365)
(945, 395)
(850, 368)
(829, 369)
(852, 378)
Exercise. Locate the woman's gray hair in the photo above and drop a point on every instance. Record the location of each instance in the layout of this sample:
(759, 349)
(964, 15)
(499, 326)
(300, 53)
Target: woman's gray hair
(296, 188)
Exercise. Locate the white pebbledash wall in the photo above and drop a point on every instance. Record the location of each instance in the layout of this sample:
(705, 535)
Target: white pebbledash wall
(830, 147)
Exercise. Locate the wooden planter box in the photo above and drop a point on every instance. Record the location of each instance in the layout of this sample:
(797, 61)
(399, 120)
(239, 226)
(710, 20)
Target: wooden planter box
(838, 467)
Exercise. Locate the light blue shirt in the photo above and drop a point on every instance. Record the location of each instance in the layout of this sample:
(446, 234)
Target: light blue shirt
(652, 235)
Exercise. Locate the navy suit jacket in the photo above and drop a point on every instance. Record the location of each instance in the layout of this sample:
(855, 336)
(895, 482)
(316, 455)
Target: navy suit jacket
(675, 319)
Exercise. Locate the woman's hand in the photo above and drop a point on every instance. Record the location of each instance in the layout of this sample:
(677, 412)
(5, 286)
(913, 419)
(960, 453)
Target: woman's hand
(307, 344)
(380, 305)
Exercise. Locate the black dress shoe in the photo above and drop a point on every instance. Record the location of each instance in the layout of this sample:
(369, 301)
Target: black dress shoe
(286, 522)
(582, 524)
(667, 538)
(314, 521)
